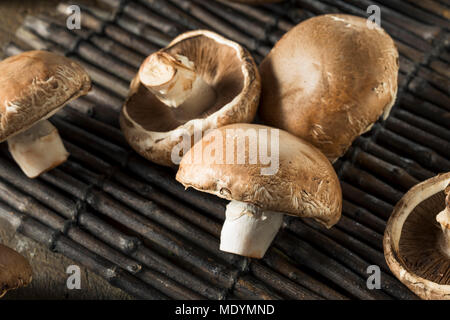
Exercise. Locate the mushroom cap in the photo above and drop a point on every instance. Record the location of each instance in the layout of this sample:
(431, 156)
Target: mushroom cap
(413, 240)
(150, 126)
(305, 184)
(328, 80)
(15, 271)
(34, 85)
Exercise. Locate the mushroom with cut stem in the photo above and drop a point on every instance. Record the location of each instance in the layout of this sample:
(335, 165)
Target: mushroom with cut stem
(201, 81)
(299, 181)
(173, 80)
(328, 80)
(33, 86)
(15, 271)
(417, 239)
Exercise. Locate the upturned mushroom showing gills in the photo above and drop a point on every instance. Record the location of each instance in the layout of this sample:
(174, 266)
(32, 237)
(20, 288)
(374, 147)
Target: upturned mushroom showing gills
(201, 81)
(328, 80)
(15, 271)
(265, 173)
(417, 239)
(33, 86)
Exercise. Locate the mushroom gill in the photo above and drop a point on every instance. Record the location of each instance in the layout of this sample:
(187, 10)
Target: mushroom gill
(421, 243)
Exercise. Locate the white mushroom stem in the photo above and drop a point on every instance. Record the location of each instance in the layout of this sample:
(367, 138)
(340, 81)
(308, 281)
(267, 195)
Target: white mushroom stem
(38, 149)
(444, 219)
(174, 81)
(248, 230)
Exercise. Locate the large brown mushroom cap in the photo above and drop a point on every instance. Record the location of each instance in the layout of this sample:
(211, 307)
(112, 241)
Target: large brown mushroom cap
(34, 85)
(305, 184)
(413, 240)
(151, 127)
(15, 271)
(328, 80)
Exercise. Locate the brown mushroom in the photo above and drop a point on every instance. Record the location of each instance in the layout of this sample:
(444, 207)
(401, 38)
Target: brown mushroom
(230, 163)
(201, 81)
(33, 86)
(15, 271)
(328, 80)
(417, 242)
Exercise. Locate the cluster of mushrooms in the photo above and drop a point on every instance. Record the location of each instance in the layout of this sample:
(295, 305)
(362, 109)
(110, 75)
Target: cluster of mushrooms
(327, 81)
(323, 84)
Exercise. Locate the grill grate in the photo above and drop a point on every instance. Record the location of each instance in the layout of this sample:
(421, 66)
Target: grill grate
(131, 222)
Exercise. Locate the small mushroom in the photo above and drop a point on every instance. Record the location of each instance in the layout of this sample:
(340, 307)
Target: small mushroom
(417, 239)
(328, 80)
(33, 86)
(15, 271)
(298, 180)
(201, 81)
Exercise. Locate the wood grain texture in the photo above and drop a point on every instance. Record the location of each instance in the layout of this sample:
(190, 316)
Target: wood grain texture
(49, 273)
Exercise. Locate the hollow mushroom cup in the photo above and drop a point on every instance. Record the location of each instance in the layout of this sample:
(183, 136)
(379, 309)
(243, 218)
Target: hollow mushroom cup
(328, 80)
(15, 271)
(34, 85)
(417, 239)
(297, 180)
(201, 81)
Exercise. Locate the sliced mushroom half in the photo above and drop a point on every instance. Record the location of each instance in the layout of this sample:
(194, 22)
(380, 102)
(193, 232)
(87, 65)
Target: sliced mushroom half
(201, 81)
(417, 239)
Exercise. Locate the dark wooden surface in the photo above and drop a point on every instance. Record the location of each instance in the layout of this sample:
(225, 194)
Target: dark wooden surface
(374, 173)
(49, 269)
